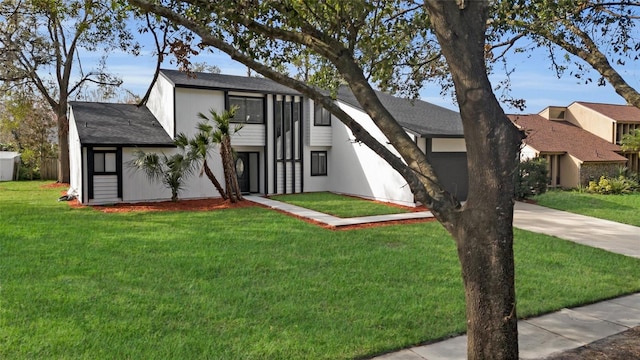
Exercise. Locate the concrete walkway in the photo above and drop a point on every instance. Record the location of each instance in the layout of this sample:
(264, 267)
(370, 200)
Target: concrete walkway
(334, 220)
(545, 335)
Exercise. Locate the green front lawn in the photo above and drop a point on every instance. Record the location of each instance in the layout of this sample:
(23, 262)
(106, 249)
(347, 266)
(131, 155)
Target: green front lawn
(339, 205)
(250, 283)
(620, 208)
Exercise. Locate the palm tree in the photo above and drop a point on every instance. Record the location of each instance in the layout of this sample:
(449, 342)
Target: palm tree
(169, 170)
(221, 134)
(197, 150)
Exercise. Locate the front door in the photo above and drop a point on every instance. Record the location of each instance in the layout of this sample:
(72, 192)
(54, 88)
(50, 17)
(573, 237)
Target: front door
(242, 171)
(248, 171)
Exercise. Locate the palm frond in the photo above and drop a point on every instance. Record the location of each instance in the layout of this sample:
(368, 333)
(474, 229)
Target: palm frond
(181, 141)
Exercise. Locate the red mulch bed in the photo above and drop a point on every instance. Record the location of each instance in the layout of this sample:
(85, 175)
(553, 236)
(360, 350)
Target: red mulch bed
(219, 204)
(181, 205)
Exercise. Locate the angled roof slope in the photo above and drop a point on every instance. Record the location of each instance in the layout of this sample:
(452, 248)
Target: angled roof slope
(118, 124)
(226, 82)
(623, 113)
(418, 116)
(559, 137)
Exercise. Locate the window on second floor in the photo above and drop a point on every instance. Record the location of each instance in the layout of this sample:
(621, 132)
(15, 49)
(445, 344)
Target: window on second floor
(250, 109)
(322, 116)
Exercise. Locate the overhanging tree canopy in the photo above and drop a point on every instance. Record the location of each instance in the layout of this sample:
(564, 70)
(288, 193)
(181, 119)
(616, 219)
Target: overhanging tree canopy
(40, 47)
(390, 43)
(579, 35)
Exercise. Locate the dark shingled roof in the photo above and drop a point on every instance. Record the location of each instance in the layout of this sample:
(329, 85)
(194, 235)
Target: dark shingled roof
(226, 82)
(562, 137)
(417, 116)
(622, 113)
(118, 124)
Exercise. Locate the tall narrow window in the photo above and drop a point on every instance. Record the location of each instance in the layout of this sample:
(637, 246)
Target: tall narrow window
(321, 116)
(250, 109)
(318, 163)
(287, 130)
(279, 104)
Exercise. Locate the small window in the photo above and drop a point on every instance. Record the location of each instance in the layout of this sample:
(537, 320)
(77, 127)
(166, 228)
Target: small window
(104, 163)
(250, 109)
(318, 163)
(322, 116)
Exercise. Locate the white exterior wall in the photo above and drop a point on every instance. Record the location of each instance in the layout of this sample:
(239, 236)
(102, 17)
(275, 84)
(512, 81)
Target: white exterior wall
(316, 183)
(355, 169)
(319, 135)
(190, 102)
(105, 189)
(527, 152)
(76, 162)
(137, 187)
(249, 135)
(161, 104)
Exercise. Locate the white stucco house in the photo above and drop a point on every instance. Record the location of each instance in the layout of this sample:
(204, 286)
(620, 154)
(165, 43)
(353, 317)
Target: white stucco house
(287, 145)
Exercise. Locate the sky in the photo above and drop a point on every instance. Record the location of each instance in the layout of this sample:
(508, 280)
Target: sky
(532, 80)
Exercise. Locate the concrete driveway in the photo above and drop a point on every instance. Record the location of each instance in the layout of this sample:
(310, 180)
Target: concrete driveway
(604, 234)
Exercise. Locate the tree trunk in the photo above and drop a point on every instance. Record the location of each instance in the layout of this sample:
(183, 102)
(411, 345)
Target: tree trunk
(213, 179)
(234, 177)
(63, 148)
(484, 231)
(230, 177)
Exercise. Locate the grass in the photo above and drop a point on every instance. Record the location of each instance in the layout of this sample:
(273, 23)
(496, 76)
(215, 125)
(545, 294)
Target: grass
(339, 205)
(620, 208)
(250, 283)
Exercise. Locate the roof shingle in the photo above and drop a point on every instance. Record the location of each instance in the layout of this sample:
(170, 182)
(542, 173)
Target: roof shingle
(226, 82)
(562, 137)
(118, 124)
(420, 117)
(622, 113)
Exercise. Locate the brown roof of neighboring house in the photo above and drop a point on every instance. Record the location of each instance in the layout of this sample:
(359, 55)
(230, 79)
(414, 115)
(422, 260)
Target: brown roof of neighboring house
(562, 137)
(624, 113)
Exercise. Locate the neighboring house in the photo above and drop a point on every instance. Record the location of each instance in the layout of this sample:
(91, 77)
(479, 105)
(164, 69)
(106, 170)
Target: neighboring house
(580, 142)
(574, 156)
(608, 121)
(286, 144)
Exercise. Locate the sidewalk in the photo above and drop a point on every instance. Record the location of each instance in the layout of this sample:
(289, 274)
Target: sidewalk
(542, 336)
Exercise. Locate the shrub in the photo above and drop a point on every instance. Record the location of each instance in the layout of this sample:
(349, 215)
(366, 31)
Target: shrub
(613, 185)
(532, 178)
